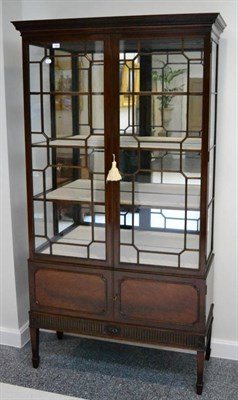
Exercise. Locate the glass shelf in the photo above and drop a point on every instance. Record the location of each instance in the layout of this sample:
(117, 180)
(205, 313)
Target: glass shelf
(144, 194)
(128, 141)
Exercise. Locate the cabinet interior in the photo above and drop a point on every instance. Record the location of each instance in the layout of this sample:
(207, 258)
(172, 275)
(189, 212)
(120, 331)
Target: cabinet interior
(159, 137)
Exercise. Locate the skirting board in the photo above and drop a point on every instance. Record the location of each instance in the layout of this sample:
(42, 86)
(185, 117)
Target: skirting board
(19, 337)
(10, 392)
(15, 337)
(224, 349)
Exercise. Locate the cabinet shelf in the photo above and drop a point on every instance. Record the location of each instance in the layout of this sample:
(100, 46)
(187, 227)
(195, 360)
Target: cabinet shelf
(145, 194)
(75, 242)
(128, 142)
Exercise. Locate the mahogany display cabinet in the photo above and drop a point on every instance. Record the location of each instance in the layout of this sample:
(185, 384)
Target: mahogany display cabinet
(120, 128)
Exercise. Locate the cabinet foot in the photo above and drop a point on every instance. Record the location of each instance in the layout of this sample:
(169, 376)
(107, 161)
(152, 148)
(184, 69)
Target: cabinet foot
(199, 388)
(200, 367)
(208, 353)
(208, 347)
(35, 362)
(34, 332)
(60, 335)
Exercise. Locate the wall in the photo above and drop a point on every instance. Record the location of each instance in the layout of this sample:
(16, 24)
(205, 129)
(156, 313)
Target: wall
(225, 332)
(8, 292)
(13, 267)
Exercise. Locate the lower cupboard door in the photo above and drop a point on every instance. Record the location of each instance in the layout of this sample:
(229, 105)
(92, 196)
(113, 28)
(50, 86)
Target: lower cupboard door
(159, 301)
(84, 293)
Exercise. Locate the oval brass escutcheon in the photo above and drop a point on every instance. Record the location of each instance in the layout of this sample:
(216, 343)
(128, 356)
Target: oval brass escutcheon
(112, 330)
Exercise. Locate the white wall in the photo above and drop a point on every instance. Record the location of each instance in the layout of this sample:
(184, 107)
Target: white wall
(8, 317)
(225, 332)
(13, 230)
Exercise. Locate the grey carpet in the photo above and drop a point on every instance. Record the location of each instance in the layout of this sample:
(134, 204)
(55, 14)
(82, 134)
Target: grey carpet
(97, 370)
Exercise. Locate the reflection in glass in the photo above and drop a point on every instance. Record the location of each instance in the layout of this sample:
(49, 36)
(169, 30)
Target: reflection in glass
(67, 125)
(161, 88)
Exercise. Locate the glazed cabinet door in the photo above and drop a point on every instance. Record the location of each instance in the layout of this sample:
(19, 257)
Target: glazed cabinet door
(66, 149)
(146, 101)
(162, 138)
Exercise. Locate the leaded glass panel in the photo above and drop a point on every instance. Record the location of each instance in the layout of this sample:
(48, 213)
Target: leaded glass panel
(161, 87)
(67, 136)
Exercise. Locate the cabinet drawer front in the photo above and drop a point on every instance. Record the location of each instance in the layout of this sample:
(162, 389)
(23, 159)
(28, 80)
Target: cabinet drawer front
(80, 292)
(157, 302)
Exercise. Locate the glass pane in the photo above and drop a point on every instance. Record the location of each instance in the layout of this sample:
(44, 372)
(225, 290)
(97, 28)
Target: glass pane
(161, 86)
(195, 115)
(36, 110)
(67, 129)
(211, 175)
(36, 53)
(214, 68)
(213, 97)
(209, 230)
(35, 77)
(212, 149)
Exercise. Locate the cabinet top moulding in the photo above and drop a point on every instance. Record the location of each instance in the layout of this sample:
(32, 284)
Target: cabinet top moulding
(204, 22)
